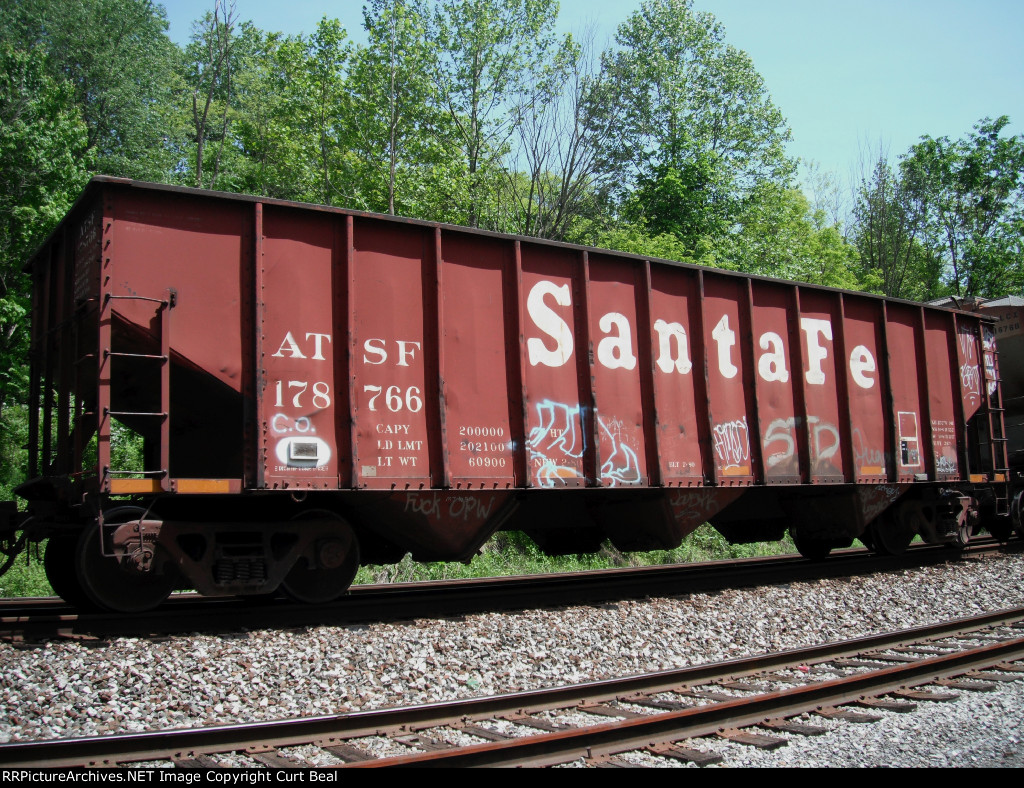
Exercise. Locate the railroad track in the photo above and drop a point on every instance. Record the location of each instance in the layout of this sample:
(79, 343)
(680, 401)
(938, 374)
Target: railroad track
(752, 701)
(34, 620)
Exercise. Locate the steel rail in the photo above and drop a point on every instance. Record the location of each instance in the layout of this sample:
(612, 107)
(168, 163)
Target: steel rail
(156, 745)
(549, 749)
(41, 618)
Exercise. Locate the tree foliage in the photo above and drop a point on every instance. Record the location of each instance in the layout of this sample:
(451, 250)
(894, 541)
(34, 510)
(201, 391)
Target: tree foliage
(891, 236)
(700, 136)
(275, 133)
(486, 49)
(43, 164)
(687, 92)
(971, 192)
(395, 108)
(207, 71)
(326, 114)
(115, 57)
(566, 110)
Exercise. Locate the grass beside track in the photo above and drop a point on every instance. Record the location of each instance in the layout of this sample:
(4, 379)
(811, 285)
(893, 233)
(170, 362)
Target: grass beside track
(514, 553)
(508, 553)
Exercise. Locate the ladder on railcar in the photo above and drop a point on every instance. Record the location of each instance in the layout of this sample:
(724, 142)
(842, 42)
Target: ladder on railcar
(160, 476)
(998, 442)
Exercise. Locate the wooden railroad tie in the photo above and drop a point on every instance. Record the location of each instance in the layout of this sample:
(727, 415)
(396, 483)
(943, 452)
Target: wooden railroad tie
(686, 754)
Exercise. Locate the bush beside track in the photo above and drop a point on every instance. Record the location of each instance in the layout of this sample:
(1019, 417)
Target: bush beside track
(508, 553)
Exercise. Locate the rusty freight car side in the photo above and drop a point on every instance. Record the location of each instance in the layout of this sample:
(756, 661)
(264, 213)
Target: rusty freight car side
(317, 387)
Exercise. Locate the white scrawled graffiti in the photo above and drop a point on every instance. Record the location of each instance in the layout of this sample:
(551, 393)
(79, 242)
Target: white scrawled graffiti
(621, 467)
(826, 438)
(970, 372)
(732, 443)
(556, 441)
(780, 446)
(692, 507)
(970, 381)
(702, 499)
(989, 343)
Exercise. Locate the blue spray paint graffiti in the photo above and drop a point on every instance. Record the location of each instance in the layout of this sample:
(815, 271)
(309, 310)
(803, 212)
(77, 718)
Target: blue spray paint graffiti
(554, 444)
(556, 448)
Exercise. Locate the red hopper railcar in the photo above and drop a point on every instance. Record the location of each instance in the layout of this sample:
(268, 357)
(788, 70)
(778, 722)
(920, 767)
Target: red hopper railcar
(317, 387)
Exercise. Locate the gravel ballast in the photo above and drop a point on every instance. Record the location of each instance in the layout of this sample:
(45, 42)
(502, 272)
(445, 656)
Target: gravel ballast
(63, 689)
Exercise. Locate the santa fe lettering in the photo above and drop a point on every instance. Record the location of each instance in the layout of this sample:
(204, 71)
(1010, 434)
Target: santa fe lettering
(671, 343)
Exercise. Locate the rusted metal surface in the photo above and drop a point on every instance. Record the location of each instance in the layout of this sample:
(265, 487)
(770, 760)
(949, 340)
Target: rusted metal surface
(719, 719)
(446, 374)
(1009, 335)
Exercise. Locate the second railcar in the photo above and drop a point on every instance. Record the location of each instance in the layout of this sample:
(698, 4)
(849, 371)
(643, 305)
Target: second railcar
(317, 387)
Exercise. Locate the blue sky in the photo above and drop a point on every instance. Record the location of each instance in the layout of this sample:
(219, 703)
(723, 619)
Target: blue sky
(848, 76)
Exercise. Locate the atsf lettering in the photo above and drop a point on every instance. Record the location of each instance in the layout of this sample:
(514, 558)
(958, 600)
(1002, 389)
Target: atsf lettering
(302, 394)
(299, 399)
(390, 395)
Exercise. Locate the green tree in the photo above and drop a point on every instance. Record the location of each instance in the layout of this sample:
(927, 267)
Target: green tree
(971, 192)
(690, 198)
(328, 111)
(633, 239)
(117, 59)
(394, 107)
(566, 109)
(890, 226)
(275, 137)
(696, 116)
(486, 50)
(207, 71)
(252, 106)
(779, 234)
(43, 166)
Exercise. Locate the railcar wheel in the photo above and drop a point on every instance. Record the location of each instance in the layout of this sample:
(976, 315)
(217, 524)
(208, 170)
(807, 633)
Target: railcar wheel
(962, 538)
(106, 583)
(809, 548)
(59, 565)
(999, 526)
(1000, 531)
(1016, 515)
(332, 568)
(890, 535)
